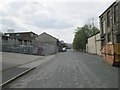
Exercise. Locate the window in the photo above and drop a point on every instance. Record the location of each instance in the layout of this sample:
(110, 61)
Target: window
(30, 42)
(31, 34)
(103, 25)
(116, 13)
(109, 37)
(20, 42)
(17, 34)
(118, 38)
(108, 18)
(25, 42)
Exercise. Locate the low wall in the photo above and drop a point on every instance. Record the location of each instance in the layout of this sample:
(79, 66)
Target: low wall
(94, 44)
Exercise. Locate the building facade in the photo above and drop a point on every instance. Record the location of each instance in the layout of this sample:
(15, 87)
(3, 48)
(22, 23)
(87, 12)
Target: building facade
(47, 44)
(18, 42)
(110, 33)
(23, 37)
(31, 43)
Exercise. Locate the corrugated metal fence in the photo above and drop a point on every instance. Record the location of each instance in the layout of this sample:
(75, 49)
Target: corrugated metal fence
(46, 49)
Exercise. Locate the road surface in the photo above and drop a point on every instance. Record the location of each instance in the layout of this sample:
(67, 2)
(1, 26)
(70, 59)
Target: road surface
(70, 69)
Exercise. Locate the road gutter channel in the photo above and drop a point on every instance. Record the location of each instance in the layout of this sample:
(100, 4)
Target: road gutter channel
(10, 80)
(22, 64)
(24, 72)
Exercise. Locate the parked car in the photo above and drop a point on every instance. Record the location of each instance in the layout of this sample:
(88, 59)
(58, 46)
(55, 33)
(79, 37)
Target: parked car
(64, 49)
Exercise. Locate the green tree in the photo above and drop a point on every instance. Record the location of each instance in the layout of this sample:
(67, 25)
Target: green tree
(81, 35)
(64, 45)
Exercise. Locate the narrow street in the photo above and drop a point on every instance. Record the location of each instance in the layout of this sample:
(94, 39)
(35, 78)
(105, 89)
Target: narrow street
(70, 69)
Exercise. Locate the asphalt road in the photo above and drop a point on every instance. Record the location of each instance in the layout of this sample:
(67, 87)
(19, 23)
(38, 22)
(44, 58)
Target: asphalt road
(70, 69)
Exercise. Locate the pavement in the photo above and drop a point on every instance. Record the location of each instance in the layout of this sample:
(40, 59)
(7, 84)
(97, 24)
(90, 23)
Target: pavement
(10, 60)
(14, 65)
(70, 69)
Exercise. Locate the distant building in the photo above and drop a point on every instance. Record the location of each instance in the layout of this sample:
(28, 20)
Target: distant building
(15, 44)
(15, 41)
(47, 44)
(23, 37)
(69, 45)
(110, 33)
(31, 43)
(20, 42)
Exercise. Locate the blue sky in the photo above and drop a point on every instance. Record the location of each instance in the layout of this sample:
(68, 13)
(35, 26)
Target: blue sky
(56, 17)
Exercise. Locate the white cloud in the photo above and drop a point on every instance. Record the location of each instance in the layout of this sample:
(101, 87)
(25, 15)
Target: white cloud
(57, 17)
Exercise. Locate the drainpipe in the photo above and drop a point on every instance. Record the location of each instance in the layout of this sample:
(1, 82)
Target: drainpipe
(112, 29)
(95, 44)
(112, 33)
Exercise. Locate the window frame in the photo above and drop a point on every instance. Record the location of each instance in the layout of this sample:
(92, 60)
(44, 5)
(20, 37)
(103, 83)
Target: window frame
(116, 13)
(108, 19)
(109, 37)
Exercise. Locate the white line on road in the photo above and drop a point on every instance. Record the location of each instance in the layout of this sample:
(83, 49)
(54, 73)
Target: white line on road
(60, 68)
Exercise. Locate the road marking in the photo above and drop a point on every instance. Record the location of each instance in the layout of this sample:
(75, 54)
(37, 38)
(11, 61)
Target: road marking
(60, 68)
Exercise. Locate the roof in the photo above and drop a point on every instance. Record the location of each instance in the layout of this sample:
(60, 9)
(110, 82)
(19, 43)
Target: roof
(94, 34)
(48, 35)
(14, 37)
(108, 8)
(21, 32)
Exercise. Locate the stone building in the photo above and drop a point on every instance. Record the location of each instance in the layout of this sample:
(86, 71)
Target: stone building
(24, 38)
(20, 42)
(47, 44)
(110, 33)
